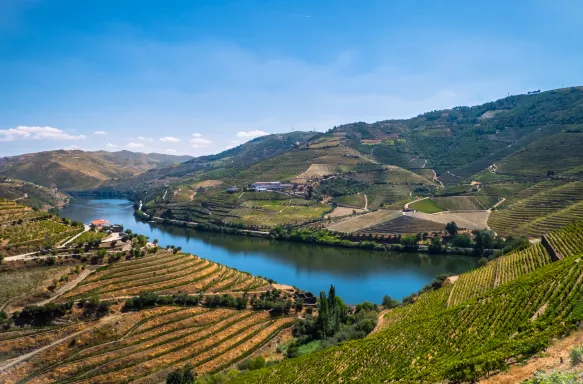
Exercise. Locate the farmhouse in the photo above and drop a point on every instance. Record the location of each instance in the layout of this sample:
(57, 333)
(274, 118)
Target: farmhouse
(270, 186)
(99, 224)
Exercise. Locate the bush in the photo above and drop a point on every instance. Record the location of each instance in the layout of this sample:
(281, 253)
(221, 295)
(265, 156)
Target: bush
(252, 364)
(576, 355)
(183, 375)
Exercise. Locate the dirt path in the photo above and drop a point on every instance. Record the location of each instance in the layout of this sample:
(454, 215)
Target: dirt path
(556, 357)
(365, 202)
(11, 363)
(436, 179)
(67, 287)
(498, 203)
(86, 229)
(380, 322)
(414, 201)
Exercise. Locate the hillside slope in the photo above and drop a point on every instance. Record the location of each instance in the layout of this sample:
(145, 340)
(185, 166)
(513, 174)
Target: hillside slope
(79, 170)
(437, 338)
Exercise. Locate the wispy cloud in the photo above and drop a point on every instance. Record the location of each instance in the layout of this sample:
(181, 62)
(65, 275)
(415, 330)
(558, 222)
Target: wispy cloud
(170, 139)
(170, 151)
(253, 133)
(197, 134)
(133, 145)
(36, 133)
(110, 145)
(198, 142)
(72, 147)
(100, 133)
(142, 138)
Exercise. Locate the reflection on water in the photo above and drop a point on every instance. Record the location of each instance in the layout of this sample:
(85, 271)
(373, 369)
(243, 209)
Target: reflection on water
(357, 274)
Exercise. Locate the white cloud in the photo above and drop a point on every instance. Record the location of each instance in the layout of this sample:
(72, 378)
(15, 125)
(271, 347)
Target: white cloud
(133, 145)
(71, 147)
(170, 151)
(229, 147)
(196, 134)
(36, 133)
(253, 133)
(200, 143)
(110, 145)
(100, 133)
(170, 139)
(142, 138)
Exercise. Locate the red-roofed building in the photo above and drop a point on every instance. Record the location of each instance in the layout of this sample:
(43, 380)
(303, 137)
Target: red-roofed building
(99, 224)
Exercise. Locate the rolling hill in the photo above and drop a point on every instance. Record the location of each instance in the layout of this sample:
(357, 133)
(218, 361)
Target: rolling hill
(522, 139)
(78, 170)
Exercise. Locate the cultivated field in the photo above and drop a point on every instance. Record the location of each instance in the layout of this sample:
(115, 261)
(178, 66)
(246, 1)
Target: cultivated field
(343, 211)
(426, 206)
(469, 220)
(163, 273)
(145, 346)
(466, 203)
(403, 225)
(23, 285)
(542, 212)
(22, 229)
(358, 223)
(511, 307)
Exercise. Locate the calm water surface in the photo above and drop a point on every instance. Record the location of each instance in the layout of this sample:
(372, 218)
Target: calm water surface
(358, 275)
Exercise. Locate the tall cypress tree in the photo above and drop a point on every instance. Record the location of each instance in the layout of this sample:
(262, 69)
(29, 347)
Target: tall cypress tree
(334, 318)
(323, 321)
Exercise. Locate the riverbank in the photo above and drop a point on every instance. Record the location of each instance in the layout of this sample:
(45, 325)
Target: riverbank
(357, 273)
(319, 237)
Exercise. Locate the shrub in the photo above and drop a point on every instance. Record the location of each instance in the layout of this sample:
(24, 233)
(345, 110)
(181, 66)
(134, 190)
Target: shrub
(576, 355)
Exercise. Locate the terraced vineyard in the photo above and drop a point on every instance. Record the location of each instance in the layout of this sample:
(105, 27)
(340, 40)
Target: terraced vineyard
(568, 240)
(466, 203)
(404, 224)
(145, 346)
(425, 342)
(164, 273)
(22, 229)
(542, 212)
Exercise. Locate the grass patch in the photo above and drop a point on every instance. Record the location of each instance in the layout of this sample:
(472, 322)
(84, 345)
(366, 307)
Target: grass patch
(27, 282)
(427, 206)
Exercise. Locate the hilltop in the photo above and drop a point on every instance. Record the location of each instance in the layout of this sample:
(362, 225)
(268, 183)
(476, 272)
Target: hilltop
(486, 167)
(79, 170)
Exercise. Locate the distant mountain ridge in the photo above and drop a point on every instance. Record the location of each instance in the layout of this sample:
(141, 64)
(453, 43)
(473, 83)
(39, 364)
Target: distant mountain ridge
(80, 170)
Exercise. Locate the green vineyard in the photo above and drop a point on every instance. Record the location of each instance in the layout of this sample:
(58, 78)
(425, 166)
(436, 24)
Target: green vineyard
(22, 229)
(507, 310)
(542, 212)
(466, 341)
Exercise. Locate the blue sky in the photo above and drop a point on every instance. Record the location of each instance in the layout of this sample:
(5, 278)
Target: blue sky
(196, 77)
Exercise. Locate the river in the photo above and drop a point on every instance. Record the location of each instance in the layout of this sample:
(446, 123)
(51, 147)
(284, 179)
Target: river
(358, 275)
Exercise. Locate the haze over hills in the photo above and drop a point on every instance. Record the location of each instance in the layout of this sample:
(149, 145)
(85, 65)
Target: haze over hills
(78, 170)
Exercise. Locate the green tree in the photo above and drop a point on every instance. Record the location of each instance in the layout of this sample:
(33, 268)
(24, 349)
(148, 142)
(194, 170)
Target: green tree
(452, 228)
(389, 302)
(181, 376)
